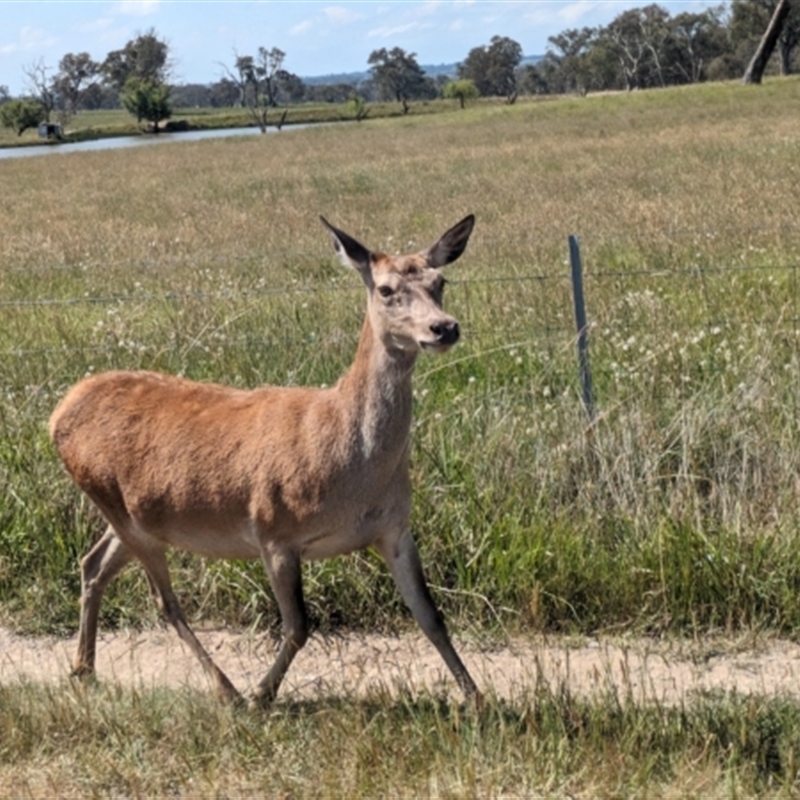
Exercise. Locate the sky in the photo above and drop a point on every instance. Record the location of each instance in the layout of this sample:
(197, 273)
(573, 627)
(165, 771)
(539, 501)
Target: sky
(319, 38)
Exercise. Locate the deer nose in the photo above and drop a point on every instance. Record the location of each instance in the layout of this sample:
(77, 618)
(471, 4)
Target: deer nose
(446, 332)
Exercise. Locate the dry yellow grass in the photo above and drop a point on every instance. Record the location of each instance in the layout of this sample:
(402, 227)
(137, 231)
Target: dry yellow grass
(626, 166)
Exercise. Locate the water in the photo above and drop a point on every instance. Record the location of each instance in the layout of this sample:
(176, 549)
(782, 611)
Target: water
(117, 142)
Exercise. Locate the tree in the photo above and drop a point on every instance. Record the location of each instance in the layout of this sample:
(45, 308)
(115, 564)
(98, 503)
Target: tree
(751, 18)
(504, 57)
(359, 106)
(573, 60)
(755, 69)
(146, 100)
(21, 115)
(535, 78)
(257, 81)
(462, 90)
(145, 58)
(40, 85)
(697, 40)
(5, 96)
(289, 88)
(75, 74)
(398, 76)
(789, 38)
(492, 68)
(268, 66)
(331, 93)
(96, 95)
(639, 37)
(224, 92)
(190, 95)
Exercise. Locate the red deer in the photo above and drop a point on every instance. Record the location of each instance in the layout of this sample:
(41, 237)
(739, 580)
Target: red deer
(283, 474)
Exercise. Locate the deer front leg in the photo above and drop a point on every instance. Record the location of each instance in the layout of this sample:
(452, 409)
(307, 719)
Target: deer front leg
(403, 560)
(285, 576)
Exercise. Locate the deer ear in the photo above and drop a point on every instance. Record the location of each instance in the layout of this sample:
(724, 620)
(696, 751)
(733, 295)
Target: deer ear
(451, 245)
(351, 253)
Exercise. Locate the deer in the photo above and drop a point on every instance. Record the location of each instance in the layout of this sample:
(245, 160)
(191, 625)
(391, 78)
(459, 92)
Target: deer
(283, 474)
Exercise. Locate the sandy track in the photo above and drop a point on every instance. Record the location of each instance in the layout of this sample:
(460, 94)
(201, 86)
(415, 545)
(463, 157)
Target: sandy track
(352, 664)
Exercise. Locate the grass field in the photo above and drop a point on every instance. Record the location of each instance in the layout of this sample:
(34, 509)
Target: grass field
(675, 512)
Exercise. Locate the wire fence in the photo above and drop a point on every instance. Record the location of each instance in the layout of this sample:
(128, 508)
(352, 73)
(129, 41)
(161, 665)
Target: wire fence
(603, 320)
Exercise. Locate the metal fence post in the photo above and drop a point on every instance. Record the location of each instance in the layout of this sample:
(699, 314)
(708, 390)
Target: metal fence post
(580, 323)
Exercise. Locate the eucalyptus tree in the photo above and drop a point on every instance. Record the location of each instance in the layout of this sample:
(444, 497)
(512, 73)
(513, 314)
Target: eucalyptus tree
(697, 39)
(76, 73)
(750, 19)
(639, 37)
(146, 57)
(766, 46)
(256, 78)
(397, 76)
(493, 67)
(572, 57)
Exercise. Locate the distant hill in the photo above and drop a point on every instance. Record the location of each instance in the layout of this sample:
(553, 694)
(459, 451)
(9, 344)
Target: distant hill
(450, 70)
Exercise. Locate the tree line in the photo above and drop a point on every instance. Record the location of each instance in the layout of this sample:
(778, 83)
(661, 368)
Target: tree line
(640, 48)
(647, 47)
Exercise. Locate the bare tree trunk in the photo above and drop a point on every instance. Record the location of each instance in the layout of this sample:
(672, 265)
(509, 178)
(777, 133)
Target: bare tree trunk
(755, 69)
(786, 58)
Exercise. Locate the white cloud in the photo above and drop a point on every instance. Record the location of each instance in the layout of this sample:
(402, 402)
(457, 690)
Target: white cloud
(341, 15)
(385, 31)
(302, 27)
(95, 26)
(430, 7)
(136, 8)
(330, 15)
(29, 39)
(573, 12)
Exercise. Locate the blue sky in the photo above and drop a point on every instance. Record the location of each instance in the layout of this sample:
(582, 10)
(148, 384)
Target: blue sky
(317, 37)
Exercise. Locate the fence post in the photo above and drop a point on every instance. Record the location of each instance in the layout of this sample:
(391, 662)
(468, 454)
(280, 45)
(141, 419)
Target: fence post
(580, 324)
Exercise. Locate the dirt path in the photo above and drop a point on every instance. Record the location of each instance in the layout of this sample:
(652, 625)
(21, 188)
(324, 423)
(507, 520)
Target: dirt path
(643, 669)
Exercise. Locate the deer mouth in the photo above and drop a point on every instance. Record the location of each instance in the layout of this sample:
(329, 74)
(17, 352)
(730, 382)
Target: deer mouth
(446, 333)
(438, 345)
(435, 347)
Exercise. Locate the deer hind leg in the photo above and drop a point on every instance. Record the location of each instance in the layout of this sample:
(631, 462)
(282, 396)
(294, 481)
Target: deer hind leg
(285, 577)
(155, 563)
(404, 563)
(101, 564)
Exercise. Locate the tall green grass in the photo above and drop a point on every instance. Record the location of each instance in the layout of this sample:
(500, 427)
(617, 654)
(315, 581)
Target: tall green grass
(675, 510)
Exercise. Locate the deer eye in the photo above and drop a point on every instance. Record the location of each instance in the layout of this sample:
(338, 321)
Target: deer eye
(385, 291)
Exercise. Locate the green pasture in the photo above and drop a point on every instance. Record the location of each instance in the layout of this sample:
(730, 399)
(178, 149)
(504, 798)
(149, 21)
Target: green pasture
(674, 512)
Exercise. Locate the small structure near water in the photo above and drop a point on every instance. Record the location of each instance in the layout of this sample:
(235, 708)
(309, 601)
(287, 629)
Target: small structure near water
(50, 130)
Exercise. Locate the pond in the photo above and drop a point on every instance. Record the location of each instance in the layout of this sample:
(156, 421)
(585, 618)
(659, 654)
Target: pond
(117, 142)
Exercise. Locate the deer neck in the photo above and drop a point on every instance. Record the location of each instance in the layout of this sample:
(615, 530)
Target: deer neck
(379, 391)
